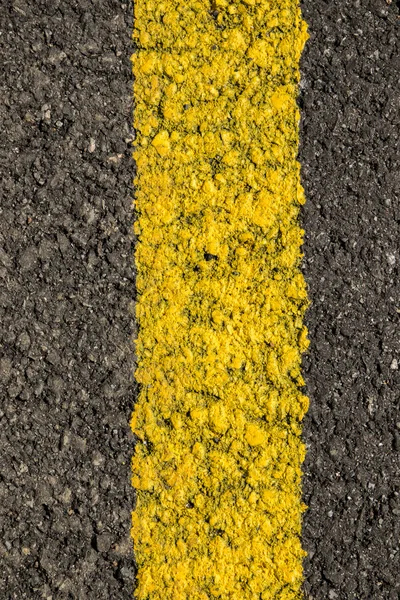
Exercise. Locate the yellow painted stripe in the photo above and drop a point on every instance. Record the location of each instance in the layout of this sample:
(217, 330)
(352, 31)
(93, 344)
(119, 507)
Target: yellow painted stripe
(221, 300)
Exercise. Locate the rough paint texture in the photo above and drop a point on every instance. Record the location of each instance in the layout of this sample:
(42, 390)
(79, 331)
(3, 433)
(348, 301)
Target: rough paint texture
(221, 301)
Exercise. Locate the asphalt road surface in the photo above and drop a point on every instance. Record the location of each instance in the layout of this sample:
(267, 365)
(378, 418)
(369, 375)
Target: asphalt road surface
(67, 295)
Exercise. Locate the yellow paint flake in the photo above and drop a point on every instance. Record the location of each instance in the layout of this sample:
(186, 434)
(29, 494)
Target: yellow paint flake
(161, 143)
(221, 300)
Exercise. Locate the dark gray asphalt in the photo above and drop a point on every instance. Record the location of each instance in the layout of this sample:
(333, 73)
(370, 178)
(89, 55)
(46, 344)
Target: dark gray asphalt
(351, 170)
(67, 292)
(66, 288)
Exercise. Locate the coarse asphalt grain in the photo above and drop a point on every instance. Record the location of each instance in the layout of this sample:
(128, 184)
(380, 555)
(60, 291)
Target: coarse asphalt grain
(67, 288)
(67, 293)
(350, 105)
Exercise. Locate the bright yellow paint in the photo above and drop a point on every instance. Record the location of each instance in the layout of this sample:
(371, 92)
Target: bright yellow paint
(221, 300)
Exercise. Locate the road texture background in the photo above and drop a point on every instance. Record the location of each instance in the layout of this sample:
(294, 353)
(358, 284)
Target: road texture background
(351, 172)
(67, 293)
(66, 299)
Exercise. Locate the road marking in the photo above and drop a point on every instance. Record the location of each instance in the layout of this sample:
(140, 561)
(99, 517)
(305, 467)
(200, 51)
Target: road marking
(221, 300)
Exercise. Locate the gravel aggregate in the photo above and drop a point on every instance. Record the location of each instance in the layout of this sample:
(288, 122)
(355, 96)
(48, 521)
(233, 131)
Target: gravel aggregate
(67, 299)
(350, 103)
